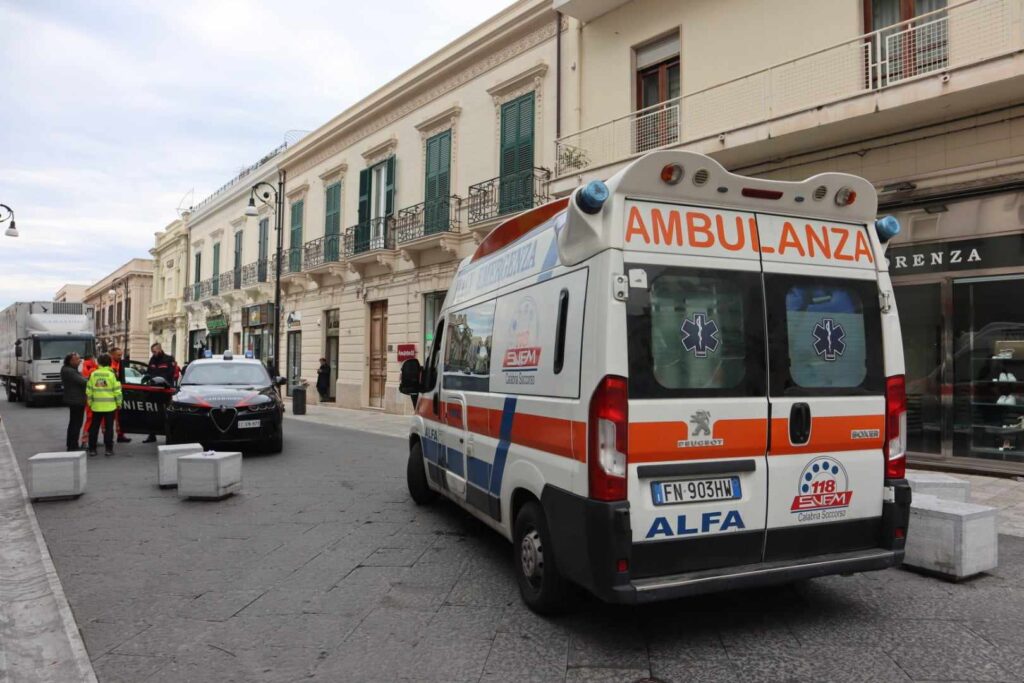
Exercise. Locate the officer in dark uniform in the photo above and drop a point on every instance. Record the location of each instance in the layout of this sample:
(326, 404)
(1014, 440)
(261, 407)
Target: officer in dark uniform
(161, 365)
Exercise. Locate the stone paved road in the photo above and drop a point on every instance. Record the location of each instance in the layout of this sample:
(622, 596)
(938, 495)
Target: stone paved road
(324, 570)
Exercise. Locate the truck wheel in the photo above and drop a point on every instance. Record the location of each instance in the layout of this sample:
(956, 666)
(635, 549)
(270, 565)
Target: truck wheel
(12, 394)
(540, 584)
(26, 397)
(416, 477)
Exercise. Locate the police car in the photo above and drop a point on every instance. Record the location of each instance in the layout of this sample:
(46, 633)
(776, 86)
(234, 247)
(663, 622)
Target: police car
(678, 382)
(227, 402)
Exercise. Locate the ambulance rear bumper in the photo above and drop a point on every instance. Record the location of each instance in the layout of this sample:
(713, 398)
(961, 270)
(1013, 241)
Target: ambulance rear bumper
(762, 574)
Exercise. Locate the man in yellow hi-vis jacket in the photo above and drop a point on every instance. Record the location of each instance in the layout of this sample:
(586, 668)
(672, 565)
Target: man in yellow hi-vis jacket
(103, 394)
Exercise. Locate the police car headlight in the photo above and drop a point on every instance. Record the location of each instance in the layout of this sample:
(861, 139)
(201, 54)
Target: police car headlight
(261, 407)
(183, 408)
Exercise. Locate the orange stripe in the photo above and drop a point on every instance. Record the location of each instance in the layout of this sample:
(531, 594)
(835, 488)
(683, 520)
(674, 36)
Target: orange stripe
(514, 228)
(828, 434)
(659, 441)
(550, 434)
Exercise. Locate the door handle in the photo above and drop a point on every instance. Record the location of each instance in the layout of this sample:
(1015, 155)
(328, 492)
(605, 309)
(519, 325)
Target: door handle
(799, 423)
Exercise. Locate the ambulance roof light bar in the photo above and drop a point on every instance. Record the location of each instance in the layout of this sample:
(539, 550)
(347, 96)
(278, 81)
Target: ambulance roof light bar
(887, 227)
(592, 196)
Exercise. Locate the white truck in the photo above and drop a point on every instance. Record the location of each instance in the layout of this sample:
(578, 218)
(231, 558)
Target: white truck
(34, 338)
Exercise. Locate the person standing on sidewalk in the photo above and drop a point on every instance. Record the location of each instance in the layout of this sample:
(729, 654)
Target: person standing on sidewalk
(161, 365)
(323, 380)
(103, 395)
(74, 398)
(118, 368)
(88, 365)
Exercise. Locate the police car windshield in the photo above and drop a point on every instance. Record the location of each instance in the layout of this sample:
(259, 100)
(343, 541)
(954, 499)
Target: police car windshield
(227, 372)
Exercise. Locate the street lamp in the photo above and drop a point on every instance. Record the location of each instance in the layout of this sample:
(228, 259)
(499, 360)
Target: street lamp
(264, 191)
(12, 230)
(112, 292)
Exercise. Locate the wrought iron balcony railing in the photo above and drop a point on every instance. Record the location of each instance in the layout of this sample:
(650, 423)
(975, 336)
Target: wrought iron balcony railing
(189, 294)
(326, 249)
(510, 193)
(958, 35)
(291, 260)
(205, 289)
(257, 272)
(427, 218)
(371, 235)
(227, 280)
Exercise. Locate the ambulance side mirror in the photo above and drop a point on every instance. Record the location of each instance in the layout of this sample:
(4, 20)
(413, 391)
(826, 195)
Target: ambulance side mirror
(411, 377)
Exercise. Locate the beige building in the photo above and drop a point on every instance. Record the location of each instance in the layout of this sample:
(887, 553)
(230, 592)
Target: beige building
(70, 293)
(166, 316)
(122, 301)
(925, 99)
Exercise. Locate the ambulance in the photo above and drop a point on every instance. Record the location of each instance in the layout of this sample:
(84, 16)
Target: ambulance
(676, 382)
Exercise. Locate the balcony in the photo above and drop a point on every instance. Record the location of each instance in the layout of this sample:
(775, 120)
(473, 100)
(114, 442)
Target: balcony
(258, 272)
(230, 281)
(507, 194)
(190, 294)
(841, 86)
(207, 288)
(323, 251)
(291, 261)
(370, 242)
(428, 225)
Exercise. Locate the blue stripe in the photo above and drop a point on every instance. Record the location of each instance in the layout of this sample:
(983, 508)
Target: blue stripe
(504, 441)
(454, 462)
(479, 472)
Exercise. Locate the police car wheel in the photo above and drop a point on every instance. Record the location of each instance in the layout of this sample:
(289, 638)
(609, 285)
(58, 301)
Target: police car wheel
(540, 583)
(416, 476)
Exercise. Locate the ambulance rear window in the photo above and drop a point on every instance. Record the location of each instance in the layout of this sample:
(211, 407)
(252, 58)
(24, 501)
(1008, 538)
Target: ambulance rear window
(824, 336)
(694, 332)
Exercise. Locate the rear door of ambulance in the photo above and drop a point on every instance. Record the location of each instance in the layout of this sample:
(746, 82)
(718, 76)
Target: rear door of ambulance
(826, 387)
(698, 406)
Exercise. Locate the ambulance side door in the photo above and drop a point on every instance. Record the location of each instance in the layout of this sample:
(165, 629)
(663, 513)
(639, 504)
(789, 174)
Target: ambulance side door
(826, 388)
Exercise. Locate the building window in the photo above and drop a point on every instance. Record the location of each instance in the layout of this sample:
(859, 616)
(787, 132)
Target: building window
(657, 93)
(120, 312)
(376, 204)
(438, 183)
(261, 265)
(332, 220)
(295, 240)
(909, 49)
(238, 259)
(216, 269)
(515, 189)
(432, 303)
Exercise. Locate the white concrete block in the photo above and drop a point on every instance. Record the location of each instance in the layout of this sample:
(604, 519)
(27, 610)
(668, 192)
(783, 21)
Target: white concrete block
(951, 538)
(211, 475)
(939, 485)
(56, 475)
(167, 461)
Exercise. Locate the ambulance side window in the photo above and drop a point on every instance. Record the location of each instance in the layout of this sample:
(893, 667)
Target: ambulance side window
(695, 332)
(467, 359)
(824, 336)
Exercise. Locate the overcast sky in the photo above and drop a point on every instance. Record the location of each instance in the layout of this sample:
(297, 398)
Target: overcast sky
(112, 113)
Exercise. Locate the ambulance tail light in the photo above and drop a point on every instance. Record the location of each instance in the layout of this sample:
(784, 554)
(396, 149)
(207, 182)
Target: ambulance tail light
(845, 196)
(608, 439)
(895, 427)
(671, 174)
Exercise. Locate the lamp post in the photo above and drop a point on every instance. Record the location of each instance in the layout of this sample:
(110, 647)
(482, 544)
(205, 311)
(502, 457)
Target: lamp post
(127, 314)
(12, 229)
(264, 191)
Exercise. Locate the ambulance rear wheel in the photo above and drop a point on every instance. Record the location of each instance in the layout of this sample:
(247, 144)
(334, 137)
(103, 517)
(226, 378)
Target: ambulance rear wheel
(416, 476)
(540, 583)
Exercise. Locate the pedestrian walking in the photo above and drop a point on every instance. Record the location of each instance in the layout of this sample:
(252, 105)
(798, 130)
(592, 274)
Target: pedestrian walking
(323, 380)
(74, 398)
(88, 365)
(118, 367)
(161, 365)
(103, 396)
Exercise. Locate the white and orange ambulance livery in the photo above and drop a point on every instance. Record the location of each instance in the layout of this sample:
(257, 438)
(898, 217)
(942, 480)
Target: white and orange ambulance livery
(681, 381)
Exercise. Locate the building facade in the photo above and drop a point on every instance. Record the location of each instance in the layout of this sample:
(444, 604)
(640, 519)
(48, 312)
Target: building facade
(168, 324)
(922, 99)
(381, 203)
(121, 301)
(70, 293)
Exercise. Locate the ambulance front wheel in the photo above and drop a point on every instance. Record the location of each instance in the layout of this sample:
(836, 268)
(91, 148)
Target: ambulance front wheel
(540, 583)
(416, 476)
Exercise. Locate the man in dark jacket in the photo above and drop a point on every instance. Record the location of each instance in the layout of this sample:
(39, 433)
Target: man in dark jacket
(161, 365)
(323, 380)
(74, 398)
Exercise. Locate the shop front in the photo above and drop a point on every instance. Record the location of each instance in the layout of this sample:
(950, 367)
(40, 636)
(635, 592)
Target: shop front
(257, 330)
(196, 344)
(961, 305)
(217, 334)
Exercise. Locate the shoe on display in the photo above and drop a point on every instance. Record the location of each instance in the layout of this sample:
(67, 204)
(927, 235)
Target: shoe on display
(1010, 377)
(1002, 377)
(1011, 400)
(1001, 400)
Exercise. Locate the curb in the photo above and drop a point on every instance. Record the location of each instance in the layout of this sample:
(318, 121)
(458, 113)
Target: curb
(29, 618)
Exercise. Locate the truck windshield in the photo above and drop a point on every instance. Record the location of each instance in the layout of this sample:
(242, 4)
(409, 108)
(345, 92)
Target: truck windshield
(56, 349)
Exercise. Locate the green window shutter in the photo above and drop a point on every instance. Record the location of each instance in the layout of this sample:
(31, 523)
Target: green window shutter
(264, 233)
(509, 136)
(199, 264)
(295, 254)
(389, 187)
(436, 191)
(362, 236)
(238, 250)
(216, 259)
(515, 189)
(332, 210)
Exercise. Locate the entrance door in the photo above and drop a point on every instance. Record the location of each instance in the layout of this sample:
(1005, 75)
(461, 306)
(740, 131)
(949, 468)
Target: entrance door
(378, 352)
(294, 361)
(332, 360)
(920, 308)
(827, 386)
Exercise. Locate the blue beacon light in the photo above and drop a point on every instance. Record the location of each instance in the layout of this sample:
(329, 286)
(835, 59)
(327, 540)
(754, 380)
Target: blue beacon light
(592, 196)
(887, 227)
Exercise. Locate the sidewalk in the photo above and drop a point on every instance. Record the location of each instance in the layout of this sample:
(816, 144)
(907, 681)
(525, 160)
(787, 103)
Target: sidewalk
(39, 639)
(1007, 494)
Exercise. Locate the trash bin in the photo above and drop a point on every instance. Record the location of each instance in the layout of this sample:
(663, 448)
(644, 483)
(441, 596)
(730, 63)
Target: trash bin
(298, 399)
